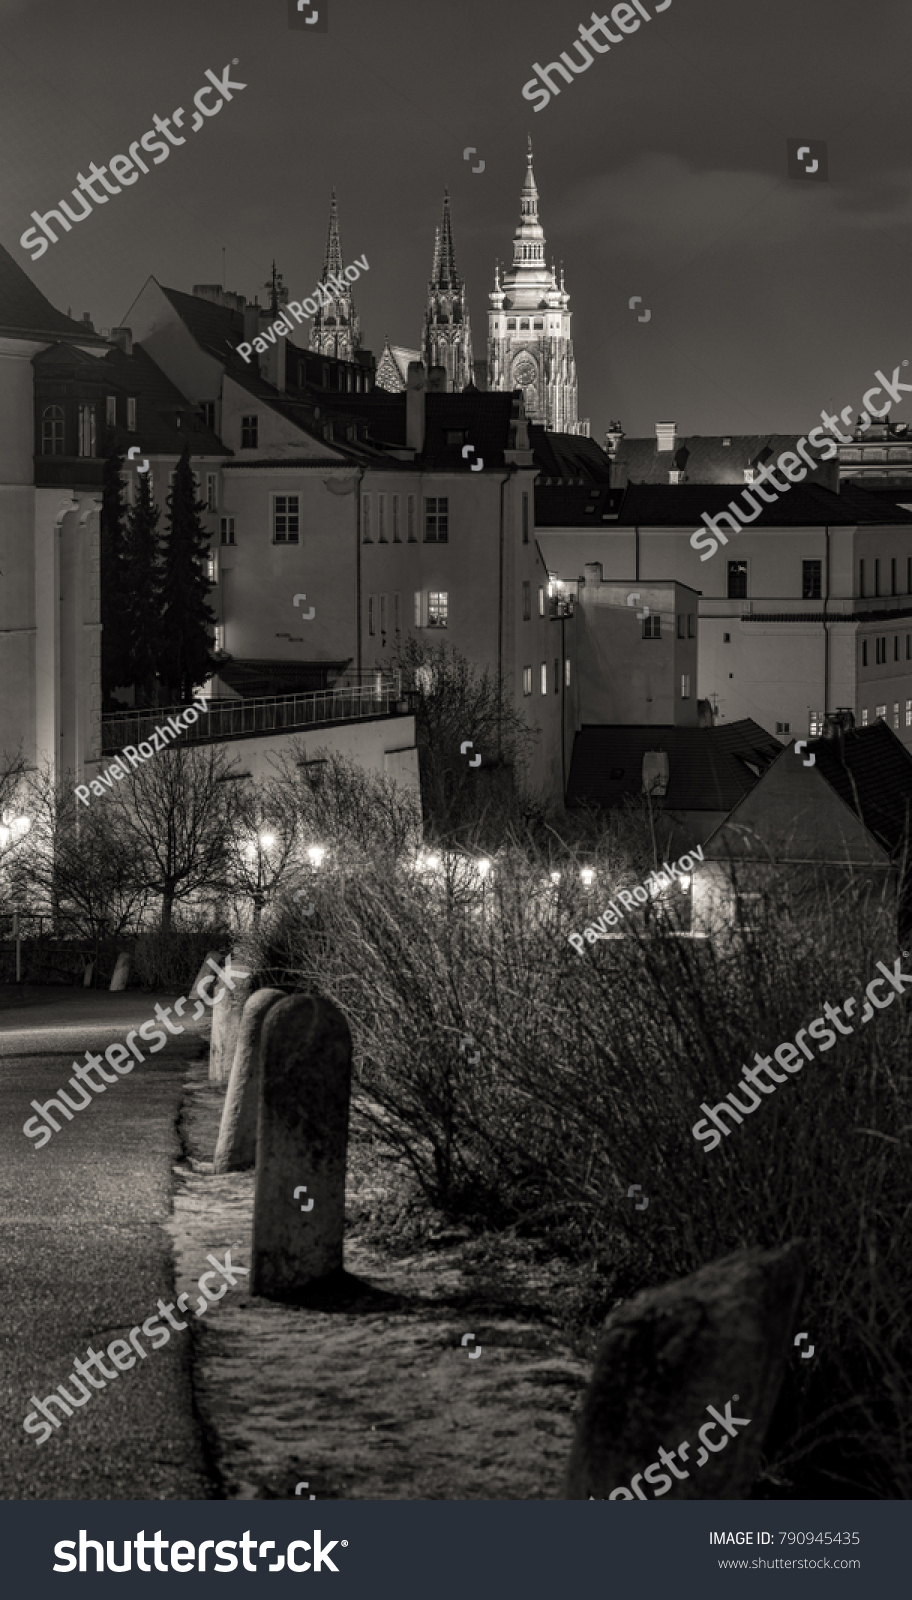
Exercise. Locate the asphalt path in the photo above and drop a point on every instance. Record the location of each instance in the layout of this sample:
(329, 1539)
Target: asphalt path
(84, 1258)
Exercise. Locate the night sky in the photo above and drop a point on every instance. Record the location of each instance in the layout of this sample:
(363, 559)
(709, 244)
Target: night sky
(662, 173)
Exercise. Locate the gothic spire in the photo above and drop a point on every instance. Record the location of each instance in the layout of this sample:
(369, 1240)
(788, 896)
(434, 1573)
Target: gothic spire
(333, 259)
(445, 274)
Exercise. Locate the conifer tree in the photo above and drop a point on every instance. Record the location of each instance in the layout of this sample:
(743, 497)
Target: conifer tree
(143, 591)
(115, 670)
(185, 658)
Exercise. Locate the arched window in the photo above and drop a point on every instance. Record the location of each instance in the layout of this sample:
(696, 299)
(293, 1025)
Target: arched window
(52, 431)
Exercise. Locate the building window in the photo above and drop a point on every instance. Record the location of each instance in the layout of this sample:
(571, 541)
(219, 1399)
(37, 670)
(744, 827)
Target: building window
(86, 430)
(207, 413)
(219, 638)
(861, 580)
(864, 717)
(810, 580)
(397, 532)
(436, 520)
(877, 577)
(737, 580)
(909, 646)
(525, 518)
(557, 674)
(544, 677)
(365, 519)
(909, 713)
(527, 601)
(908, 574)
(896, 647)
(726, 638)
(111, 410)
(567, 673)
(864, 652)
(381, 518)
(523, 324)
(541, 602)
(285, 518)
(511, 322)
(437, 610)
(372, 615)
(880, 711)
(527, 680)
(52, 431)
(417, 608)
(250, 432)
(412, 535)
(211, 573)
(893, 575)
(131, 415)
(815, 725)
(211, 492)
(783, 727)
(226, 530)
(685, 685)
(896, 714)
(652, 628)
(881, 651)
(383, 616)
(538, 325)
(681, 633)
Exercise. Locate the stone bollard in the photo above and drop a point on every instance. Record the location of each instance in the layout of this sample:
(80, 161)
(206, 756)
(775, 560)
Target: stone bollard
(121, 972)
(722, 1335)
(205, 971)
(236, 1147)
(226, 1021)
(88, 975)
(302, 1137)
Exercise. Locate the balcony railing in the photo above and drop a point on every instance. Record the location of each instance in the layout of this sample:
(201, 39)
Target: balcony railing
(233, 719)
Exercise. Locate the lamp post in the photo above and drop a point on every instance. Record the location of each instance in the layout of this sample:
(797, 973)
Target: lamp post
(257, 849)
(12, 828)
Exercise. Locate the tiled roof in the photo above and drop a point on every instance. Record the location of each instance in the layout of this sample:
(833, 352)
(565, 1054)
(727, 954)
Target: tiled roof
(218, 329)
(708, 768)
(705, 459)
(875, 780)
(485, 420)
(566, 507)
(805, 505)
(158, 402)
(569, 457)
(25, 310)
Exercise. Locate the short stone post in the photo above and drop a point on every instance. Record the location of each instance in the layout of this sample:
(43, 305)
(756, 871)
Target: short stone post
(205, 971)
(226, 1020)
(674, 1363)
(236, 1147)
(88, 975)
(121, 972)
(302, 1139)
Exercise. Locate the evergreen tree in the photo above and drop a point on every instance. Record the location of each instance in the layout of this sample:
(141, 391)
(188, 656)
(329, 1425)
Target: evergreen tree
(143, 591)
(185, 658)
(115, 669)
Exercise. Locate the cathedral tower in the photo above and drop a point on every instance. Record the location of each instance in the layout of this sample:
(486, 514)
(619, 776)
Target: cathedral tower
(336, 328)
(446, 339)
(529, 344)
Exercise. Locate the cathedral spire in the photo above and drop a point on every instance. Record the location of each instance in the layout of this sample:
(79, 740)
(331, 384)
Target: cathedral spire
(333, 259)
(446, 339)
(336, 328)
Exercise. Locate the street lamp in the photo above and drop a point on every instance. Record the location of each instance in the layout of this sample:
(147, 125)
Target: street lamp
(315, 854)
(14, 828)
(256, 849)
(587, 876)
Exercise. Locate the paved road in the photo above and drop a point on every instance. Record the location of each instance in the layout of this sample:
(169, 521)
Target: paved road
(83, 1258)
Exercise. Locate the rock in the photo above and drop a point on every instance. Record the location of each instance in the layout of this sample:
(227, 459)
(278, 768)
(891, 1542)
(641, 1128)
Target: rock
(226, 1019)
(302, 1140)
(719, 1337)
(236, 1147)
(121, 972)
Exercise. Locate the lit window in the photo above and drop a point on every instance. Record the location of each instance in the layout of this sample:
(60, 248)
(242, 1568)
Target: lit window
(896, 714)
(381, 518)
(436, 520)
(437, 610)
(111, 410)
(366, 519)
(880, 711)
(286, 519)
(544, 677)
(131, 415)
(397, 534)
(417, 608)
(52, 431)
(864, 717)
(219, 637)
(527, 680)
(226, 530)
(87, 430)
(412, 535)
(210, 569)
(815, 725)
(685, 685)
(250, 432)
(567, 673)
(909, 713)
(541, 602)
(211, 492)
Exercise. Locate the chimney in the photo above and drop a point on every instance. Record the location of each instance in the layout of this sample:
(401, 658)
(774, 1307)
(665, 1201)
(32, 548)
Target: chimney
(414, 407)
(593, 571)
(665, 436)
(123, 338)
(437, 380)
(613, 438)
(835, 725)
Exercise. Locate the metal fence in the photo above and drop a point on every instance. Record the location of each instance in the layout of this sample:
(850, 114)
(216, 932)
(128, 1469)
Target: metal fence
(229, 719)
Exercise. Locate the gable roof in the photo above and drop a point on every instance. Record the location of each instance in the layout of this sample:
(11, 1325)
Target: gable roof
(705, 458)
(805, 505)
(569, 458)
(709, 769)
(24, 310)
